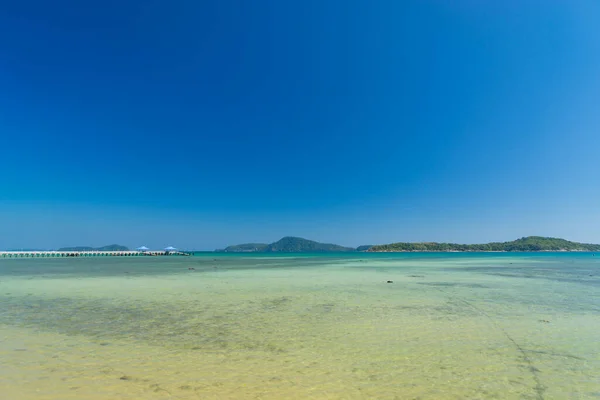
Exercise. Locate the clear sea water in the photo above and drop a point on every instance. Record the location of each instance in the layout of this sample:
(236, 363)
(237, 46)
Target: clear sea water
(450, 326)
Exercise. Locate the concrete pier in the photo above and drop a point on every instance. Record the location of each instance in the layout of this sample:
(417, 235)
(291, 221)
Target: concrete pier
(57, 254)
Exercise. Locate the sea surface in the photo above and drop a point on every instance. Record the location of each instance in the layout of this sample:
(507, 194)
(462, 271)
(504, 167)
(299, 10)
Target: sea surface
(219, 326)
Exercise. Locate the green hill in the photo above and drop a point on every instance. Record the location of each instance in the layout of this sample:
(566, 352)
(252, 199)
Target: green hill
(530, 243)
(110, 247)
(291, 244)
(288, 244)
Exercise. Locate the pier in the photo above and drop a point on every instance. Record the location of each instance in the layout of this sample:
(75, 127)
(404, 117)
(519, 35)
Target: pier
(91, 253)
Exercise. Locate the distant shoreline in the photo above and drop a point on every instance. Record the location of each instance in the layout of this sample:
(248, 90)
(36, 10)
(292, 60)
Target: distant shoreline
(479, 251)
(529, 244)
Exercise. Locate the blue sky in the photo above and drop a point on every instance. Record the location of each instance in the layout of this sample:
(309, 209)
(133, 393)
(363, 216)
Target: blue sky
(203, 124)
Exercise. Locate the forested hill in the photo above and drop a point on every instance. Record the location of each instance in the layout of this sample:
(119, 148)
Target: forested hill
(291, 244)
(288, 244)
(530, 243)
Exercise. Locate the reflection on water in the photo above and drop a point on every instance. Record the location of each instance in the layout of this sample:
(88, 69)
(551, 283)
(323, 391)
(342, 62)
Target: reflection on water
(449, 326)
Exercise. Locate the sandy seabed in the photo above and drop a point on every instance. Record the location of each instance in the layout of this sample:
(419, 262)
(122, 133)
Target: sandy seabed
(308, 327)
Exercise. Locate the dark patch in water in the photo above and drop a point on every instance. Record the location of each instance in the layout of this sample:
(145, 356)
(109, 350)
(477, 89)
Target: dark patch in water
(326, 307)
(555, 273)
(449, 284)
(553, 354)
(181, 324)
(453, 309)
(277, 303)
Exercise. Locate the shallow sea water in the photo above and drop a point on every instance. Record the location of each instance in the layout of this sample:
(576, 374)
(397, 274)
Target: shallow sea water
(450, 326)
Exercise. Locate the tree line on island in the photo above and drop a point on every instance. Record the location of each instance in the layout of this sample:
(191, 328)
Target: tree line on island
(530, 243)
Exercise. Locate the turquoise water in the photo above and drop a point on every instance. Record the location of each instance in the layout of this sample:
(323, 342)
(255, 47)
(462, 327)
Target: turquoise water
(450, 325)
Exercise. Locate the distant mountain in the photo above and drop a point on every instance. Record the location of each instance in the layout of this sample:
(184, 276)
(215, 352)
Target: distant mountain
(111, 247)
(288, 244)
(245, 248)
(530, 243)
(291, 244)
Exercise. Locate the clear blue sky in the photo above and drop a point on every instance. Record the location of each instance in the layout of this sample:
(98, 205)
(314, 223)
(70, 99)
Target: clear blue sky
(201, 124)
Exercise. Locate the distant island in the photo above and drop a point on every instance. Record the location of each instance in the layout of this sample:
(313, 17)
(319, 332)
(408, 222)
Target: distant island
(530, 243)
(110, 247)
(288, 244)
(291, 244)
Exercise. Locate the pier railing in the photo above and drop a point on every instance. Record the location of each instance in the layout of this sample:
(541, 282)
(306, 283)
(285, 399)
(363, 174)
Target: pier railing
(92, 253)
